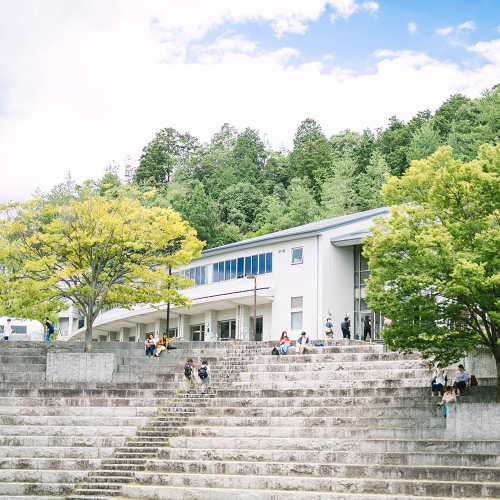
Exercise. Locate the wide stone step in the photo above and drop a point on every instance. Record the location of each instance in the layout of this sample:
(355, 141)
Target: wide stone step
(397, 364)
(61, 463)
(309, 422)
(108, 478)
(76, 452)
(21, 392)
(70, 420)
(321, 470)
(36, 489)
(376, 445)
(326, 373)
(328, 457)
(65, 441)
(317, 432)
(22, 360)
(82, 411)
(20, 369)
(87, 401)
(67, 430)
(42, 476)
(306, 483)
(334, 384)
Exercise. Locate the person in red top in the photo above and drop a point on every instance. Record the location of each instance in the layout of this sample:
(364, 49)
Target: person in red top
(284, 343)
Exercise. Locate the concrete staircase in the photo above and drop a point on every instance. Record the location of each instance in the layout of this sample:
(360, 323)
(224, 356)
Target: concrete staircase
(345, 421)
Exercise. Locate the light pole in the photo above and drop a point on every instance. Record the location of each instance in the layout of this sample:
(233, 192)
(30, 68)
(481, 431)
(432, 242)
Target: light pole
(254, 330)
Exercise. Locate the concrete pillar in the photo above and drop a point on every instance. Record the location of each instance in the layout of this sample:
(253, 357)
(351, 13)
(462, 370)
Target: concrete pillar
(184, 330)
(211, 334)
(243, 323)
(160, 327)
(122, 335)
(140, 332)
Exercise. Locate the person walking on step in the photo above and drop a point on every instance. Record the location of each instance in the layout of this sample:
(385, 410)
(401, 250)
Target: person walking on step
(150, 345)
(188, 381)
(302, 343)
(162, 344)
(49, 329)
(448, 397)
(367, 328)
(346, 327)
(329, 328)
(285, 343)
(438, 381)
(204, 374)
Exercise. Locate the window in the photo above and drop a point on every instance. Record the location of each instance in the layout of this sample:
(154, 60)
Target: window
(241, 261)
(255, 264)
(239, 268)
(269, 263)
(227, 270)
(296, 323)
(227, 329)
(215, 274)
(297, 302)
(297, 255)
(248, 265)
(197, 333)
(233, 269)
(262, 263)
(260, 327)
(172, 332)
(197, 274)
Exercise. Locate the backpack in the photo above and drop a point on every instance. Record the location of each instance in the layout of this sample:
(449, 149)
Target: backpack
(202, 372)
(345, 326)
(473, 381)
(275, 352)
(188, 369)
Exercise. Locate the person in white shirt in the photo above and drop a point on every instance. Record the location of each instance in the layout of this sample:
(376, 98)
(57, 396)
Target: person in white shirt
(7, 329)
(302, 343)
(204, 374)
(438, 381)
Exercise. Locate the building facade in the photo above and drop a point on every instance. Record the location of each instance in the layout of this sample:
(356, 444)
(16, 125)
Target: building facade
(300, 277)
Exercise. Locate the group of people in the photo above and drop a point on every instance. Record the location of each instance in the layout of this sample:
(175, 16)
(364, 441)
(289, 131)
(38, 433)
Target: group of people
(345, 327)
(163, 345)
(439, 381)
(189, 381)
(300, 347)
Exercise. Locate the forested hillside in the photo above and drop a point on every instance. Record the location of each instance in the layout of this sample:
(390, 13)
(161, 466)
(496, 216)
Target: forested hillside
(237, 186)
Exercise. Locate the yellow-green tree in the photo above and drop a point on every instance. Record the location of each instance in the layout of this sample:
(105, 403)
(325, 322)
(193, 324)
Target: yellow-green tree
(92, 253)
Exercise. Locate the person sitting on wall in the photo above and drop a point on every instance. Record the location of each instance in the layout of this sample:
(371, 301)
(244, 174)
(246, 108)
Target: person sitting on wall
(448, 397)
(460, 380)
(302, 343)
(150, 345)
(438, 381)
(162, 344)
(284, 343)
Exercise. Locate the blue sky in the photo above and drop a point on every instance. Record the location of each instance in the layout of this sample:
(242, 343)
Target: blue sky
(85, 84)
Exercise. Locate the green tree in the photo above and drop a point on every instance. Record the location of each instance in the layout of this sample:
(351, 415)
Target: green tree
(435, 259)
(92, 253)
(250, 156)
(446, 114)
(393, 144)
(168, 151)
(424, 142)
(369, 183)
(308, 131)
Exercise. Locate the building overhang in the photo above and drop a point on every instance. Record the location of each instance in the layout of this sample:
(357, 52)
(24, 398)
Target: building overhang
(349, 239)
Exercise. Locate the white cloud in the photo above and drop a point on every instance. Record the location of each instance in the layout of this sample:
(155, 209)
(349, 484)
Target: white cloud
(488, 50)
(80, 90)
(444, 31)
(468, 25)
(412, 28)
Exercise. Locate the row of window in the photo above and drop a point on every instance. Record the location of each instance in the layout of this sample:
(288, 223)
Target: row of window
(197, 274)
(239, 268)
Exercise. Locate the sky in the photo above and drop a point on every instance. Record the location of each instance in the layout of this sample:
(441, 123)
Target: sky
(85, 84)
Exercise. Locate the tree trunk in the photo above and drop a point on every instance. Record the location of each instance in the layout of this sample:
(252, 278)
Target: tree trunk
(497, 359)
(88, 335)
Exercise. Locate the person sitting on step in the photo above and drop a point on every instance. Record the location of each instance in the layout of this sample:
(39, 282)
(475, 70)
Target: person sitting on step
(302, 343)
(460, 380)
(162, 344)
(150, 345)
(448, 397)
(438, 381)
(284, 343)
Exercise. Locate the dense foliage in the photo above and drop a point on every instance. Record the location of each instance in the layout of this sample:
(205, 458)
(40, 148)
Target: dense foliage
(435, 259)
(236, 186)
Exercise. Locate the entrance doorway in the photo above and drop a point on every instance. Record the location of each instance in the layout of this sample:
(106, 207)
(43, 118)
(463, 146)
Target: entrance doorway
(198, 333)
(227, 329)
(259, 329)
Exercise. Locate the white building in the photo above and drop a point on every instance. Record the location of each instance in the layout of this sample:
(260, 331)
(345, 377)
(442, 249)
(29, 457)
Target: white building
(304, 275)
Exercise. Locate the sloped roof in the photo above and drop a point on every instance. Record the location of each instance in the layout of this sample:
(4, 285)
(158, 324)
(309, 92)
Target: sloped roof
(306, 229)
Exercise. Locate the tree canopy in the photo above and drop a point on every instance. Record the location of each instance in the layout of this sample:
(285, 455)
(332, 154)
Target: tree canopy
(435, 259)
(97, 252)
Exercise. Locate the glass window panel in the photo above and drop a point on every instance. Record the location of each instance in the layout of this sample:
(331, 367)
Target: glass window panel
(197, 276)
(260, 327)
(262, 263)
(296, 323)
(202, 282)
(356, 258)
(227, 270)
(255, 264)
(297, 255)
(215, 276)
(269, 262)
(223, 329)
(297, 302)
(233, 269)
(241, 265)
(221, 271)
(248, 265)
(191, 273)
